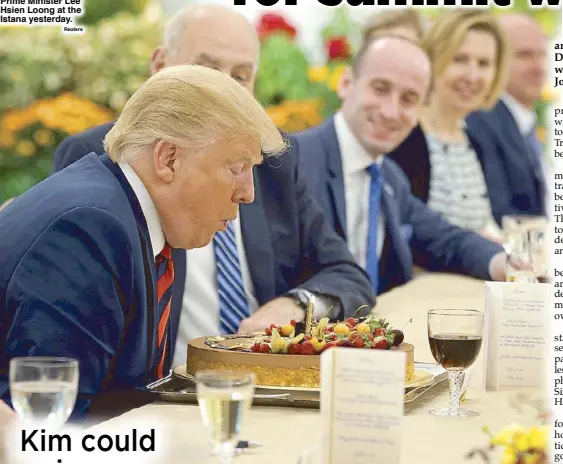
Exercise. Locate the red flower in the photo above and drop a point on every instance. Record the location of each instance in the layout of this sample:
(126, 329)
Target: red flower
(270, 23)
(338, 48)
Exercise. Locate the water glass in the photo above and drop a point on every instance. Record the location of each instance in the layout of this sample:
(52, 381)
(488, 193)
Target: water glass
(224, 397)
(539, 253)
(43, 390)
(519, 268)
(455, 337)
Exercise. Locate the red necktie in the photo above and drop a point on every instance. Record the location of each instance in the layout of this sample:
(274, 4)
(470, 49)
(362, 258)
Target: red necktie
(165, 273)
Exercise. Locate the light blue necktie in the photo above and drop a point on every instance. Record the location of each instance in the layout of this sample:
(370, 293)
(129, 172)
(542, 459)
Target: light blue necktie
(372, 260)
(233, 306)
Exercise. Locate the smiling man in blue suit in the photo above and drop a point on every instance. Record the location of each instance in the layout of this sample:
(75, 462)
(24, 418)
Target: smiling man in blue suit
(281, 251)
(87, 267)
(364, 194)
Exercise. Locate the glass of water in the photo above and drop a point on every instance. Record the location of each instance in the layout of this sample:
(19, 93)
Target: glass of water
(224, 397)
(43, 390)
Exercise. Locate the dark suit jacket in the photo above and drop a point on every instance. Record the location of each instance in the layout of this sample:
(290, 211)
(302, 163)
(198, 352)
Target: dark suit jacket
(287, 240)
(78, 279)
(500, 129)
(437, 244)
(413, 157)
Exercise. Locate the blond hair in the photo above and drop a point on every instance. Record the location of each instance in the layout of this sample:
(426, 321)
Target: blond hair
(390, 19)
(446, 34)
(191, 106)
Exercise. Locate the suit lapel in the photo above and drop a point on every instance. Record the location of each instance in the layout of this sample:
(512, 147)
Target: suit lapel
(148, 257)
(507, 124)
(258, 247)
(335, 182)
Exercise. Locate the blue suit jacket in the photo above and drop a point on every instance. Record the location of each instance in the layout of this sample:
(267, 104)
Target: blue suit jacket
(408, 222)
(78, 279)
(498, 128)
(287, 240)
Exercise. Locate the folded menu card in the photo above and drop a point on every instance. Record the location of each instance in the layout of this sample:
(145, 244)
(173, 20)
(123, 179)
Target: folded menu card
(517, 321)
(362, 394)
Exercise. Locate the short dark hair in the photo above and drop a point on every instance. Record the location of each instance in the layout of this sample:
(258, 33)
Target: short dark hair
(393, 18)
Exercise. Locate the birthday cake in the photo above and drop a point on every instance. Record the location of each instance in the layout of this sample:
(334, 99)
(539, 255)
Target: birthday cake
(288, 355)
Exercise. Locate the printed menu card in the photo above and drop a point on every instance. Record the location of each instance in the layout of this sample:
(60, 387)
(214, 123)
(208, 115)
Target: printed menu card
(517, 330)
(362, 402)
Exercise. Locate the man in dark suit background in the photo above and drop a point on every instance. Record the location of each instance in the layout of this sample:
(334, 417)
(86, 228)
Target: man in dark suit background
(511, 126)
(283, 250)
(86, 254)
(364, 194)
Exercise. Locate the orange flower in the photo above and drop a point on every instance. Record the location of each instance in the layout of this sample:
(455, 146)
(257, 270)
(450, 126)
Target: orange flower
(294, 116)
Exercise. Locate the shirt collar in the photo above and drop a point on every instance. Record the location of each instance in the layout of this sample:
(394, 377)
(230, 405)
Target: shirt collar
(524, 117)
(354, 157)
(156, 234)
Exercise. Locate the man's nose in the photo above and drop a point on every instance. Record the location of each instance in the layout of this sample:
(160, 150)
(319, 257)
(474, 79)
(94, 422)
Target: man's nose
(244, 192)
(390, 108)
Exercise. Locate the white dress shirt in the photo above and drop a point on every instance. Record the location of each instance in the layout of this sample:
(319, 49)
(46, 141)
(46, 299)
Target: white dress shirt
(200, 305)
(525, 118)
(156, 235)
(355, 161)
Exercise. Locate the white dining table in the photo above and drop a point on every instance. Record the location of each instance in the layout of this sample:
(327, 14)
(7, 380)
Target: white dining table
(285, 433)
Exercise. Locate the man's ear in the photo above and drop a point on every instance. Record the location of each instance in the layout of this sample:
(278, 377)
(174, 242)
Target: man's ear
(346, 81)
(158, 60)
(166, 160)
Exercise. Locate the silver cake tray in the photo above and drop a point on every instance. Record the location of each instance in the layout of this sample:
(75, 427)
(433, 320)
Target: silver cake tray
(182, 389)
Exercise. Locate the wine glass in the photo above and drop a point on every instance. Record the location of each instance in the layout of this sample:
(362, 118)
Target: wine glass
(223, 398)
(455, 337)
(43, 390)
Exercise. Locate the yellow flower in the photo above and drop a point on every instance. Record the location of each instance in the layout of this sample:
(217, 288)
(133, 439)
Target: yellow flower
(335, 78)
(521, 442)
(43, 137)
(25, 148)
(540, 134)
(507, 435)
(508, 456)
(548, 94)
(538, 438)
(318, 73)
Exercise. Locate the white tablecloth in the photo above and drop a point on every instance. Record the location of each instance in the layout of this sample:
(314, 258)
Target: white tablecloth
(285, 433)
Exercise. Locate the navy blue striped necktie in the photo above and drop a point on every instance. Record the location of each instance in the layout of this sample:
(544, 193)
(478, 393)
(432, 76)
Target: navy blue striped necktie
(233, 305)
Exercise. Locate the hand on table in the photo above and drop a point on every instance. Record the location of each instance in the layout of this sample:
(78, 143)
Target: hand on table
(279, 311)
(497, 266)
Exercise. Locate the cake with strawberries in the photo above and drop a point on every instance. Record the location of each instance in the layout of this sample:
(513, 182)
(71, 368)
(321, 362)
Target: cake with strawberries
(288, 355)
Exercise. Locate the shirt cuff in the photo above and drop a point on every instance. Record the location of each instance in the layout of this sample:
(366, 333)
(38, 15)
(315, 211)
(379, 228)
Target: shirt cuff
(325, 306)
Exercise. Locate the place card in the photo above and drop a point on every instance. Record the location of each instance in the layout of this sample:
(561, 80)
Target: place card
(362, 404)
(516, 331)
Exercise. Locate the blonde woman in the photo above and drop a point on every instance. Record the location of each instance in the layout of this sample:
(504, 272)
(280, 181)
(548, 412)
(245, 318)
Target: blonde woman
(447, 168)
(404, 22)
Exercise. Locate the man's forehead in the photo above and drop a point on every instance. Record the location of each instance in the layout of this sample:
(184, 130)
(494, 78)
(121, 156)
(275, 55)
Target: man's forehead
(411, 71)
